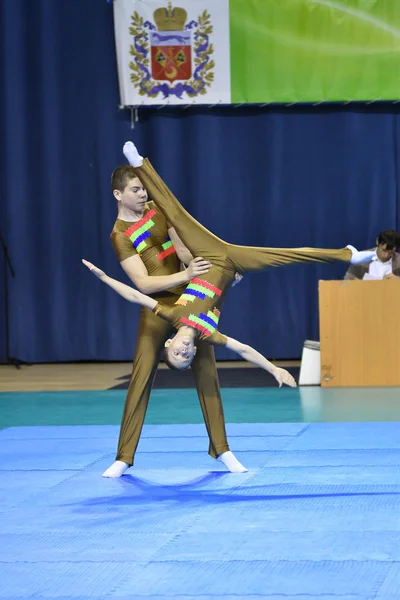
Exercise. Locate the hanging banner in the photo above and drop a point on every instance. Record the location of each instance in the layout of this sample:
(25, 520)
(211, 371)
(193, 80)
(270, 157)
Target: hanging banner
(175, 54)
(257, 51)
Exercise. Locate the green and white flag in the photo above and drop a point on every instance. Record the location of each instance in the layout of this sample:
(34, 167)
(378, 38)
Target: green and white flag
(257, 51)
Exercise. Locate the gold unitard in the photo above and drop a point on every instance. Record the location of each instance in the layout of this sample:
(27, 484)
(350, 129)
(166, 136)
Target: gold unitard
(149, 238)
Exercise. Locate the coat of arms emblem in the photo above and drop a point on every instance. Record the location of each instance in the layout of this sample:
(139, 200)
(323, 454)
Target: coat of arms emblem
(170, 56)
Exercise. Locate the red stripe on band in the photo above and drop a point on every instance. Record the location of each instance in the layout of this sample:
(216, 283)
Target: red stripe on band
(166, 253)
(186, 321)
(140, 223)
(207, 285)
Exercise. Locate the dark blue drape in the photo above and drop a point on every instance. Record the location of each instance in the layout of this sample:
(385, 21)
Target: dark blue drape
(317, 176)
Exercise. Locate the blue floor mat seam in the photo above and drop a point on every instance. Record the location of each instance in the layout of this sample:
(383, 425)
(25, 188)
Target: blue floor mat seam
(305, 428)
(263, 561)
(380, 585)
(96, 460)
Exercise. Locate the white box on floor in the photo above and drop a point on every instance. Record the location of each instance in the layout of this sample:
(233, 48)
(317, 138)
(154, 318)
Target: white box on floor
(310, 369)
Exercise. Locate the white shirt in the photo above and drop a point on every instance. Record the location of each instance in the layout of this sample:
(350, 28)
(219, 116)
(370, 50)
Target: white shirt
(378, 269)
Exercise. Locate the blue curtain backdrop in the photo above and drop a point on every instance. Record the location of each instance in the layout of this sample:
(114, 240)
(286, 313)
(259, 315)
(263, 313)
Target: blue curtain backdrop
(317, 176)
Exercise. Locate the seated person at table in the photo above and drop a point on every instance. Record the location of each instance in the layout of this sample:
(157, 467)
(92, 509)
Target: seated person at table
(386, 262)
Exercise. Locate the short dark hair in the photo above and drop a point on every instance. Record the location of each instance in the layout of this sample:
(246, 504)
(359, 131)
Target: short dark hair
(121, 176)
(169, 363)
(390, 237)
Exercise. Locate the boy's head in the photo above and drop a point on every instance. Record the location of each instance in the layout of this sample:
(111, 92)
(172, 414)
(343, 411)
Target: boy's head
(128, 189)
(179, 352)
(387, 243)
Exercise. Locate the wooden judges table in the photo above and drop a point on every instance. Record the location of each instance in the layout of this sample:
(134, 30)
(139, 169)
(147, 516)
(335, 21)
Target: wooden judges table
(359, 333)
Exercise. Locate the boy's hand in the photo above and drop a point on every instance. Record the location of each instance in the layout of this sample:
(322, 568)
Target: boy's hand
(95, 270)
(198, 266)
(284, 377)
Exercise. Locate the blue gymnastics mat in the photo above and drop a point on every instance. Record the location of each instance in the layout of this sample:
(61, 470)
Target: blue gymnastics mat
(316, 516)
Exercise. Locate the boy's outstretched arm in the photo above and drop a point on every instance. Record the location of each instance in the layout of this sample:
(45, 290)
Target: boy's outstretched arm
(248, 353)
(123, 290)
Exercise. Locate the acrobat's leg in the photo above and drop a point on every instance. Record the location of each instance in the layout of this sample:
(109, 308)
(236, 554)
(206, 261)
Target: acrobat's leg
(206, 377)
(196, 238)
(152, 334)
(247, 259)
(202, 242)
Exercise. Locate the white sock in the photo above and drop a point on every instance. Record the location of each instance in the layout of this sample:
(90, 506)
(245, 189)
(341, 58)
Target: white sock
(360, 256)
(132, 155)
(117, 469)
(231, 462)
